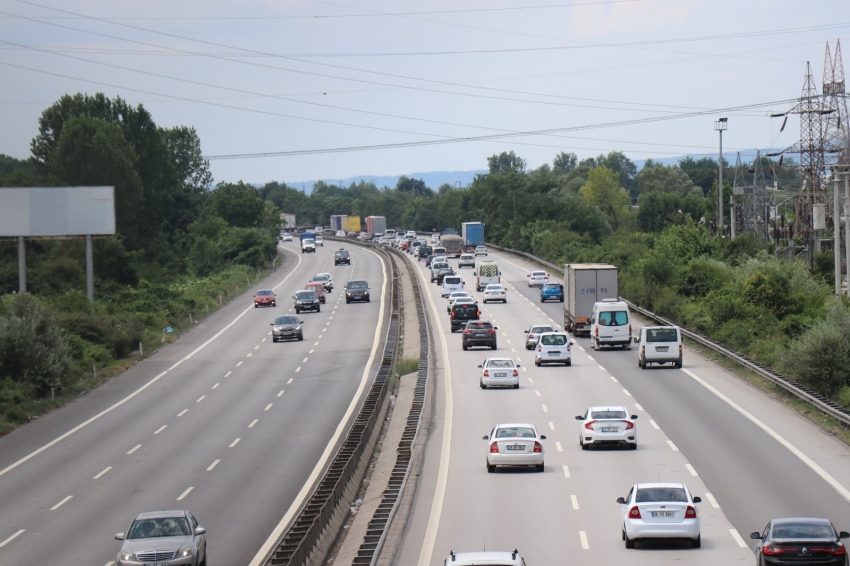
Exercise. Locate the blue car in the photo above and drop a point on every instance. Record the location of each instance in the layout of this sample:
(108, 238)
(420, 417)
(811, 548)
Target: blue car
(552, 291)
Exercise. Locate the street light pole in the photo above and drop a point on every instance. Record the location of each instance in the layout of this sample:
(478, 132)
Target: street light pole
(720, 125)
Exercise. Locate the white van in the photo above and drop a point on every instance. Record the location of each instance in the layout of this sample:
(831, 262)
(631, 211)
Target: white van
(486, 273)
(610, 324)
(451, 284)
(659, 345)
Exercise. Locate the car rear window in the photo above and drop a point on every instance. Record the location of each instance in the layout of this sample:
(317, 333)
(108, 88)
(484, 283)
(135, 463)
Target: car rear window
(479, 325)
(500, 364)
(662, 335)
(554, 340)
(452, 280)
(614, 318)
(608, 415)
(515, 432)
(652, 494)
(539, 329)
(802, 530)
(553, 285)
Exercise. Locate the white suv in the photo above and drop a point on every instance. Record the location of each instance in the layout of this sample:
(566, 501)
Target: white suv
(553, 348)
(659, 345)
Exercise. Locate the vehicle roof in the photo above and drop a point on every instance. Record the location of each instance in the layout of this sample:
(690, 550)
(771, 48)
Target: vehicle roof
(513, 425)
(559, 332)
(660, 327)
(464, 300)
(815, 520)
(165, 513)
(659, 484)
(500, 360)
(538, 271)
(605, 303)
(609, 408)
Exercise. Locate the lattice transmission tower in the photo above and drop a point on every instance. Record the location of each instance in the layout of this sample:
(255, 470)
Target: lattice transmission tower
(837, 132)
(752, 212)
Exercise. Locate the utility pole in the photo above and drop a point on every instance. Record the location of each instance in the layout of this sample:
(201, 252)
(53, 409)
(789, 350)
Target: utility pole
(22, 265)
(720, 125)
(836, 229)
(847, 224)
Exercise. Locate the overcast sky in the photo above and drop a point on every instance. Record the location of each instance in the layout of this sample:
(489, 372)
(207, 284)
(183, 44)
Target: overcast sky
(289, 76)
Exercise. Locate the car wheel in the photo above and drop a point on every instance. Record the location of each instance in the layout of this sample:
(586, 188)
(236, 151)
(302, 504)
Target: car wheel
(482, 385)
(301, 338)
(516, 386)
(347, 301)
(633, 446)
(318, 309)
(642, 364)
(679, 365)
(274, 339)
(368, 300)
(562, 300)
(537, 362)
(539, 467)
(256, 306)
(493, 347)
(696, 543)
(203, 562)
(297, 310)
(582, 444)
(629, 543)
(465, 347)
(491, 469)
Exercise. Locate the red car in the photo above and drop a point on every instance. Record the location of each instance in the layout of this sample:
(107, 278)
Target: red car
(265, 298)
(318, 288)
(405, 245)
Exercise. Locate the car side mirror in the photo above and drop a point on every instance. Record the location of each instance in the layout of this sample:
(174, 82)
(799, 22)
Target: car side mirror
(572, 342)
(843, 534)
(480, 366)
(634, 417)
(271, 324)
(485, 437)
(756, 536)
(293, 296)
(637, 340)
(542, 437)
(300, 322)
(495, 328)
(519, 366)
(579, 417)
(696, 499)
(621, 501)
(200, 530)
(119, 536)
(525, 331)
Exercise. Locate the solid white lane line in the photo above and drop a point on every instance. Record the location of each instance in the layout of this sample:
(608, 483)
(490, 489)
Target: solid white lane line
(160, 429)
(185, 493)
(239, 364)
(639, 408)
(738, 538)
(234, 443)
(228, 374)
(103, 472)
(216, 385)
(692, 470)
(257, 347)
(614, 379)
(591, 358)
(551, 425)
(307, 488)
(134, 449)
(531, 381)
(183, 412)
(537, 392)
(296, 371)
(580, 348)
(843, 491)
(11, 538)
(545, 410)
(269, 406)
(583, 536)
(626, 391)
(574, 501)
(61, 503)
(213, 465)
(558, 446)
(201, 398)
(281, 393)
(290, 381)
(712, 500)
(255, 421)
(566, 471)
(600, 367)
(673, 446)
(654, 424)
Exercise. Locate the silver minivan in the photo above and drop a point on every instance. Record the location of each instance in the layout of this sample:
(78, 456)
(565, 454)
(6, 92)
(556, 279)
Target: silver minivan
(659, 345)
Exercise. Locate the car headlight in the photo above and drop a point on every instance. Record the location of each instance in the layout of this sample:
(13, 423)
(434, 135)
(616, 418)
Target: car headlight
(186, 552)
(299, 302)
(124, 556)
(297, 329)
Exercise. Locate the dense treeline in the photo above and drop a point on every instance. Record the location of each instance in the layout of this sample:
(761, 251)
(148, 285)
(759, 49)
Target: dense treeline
(179, 246)
(655, 224)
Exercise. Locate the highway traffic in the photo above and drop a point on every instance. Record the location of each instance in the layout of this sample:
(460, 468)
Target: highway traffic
(748, 457)
(224, 423)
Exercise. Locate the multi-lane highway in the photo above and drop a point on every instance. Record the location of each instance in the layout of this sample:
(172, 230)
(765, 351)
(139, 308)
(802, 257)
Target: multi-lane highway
(746, 455)
(223, 422)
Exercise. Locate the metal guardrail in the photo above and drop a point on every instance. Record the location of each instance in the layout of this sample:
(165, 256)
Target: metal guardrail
(299, 541)
(817, 400)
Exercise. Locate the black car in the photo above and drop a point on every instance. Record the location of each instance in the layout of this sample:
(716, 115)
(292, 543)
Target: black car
(479, 333)
(307, 301)
(287, 327)
(424, 252)
(463, 313)
(357, 291)
(342, 256)
(428, 259)
(440, 274)
(800, 541)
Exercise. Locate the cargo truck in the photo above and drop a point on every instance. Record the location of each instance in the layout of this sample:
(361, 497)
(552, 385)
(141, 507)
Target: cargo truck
(453, 244)
(339, 222)
(353, 224)
(308, 242)
(584, 285)
(376, 225)
(287, 221)
(472, 234)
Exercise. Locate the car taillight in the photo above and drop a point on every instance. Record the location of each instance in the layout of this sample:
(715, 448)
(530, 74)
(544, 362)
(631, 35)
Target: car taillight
(494, 448)
(690, 512)
(769, 550)
(629, 425)
(837, 550)
(538, 447)
(587, 425)
(540, 348)
(596, 330)
(486, 373)
(453, 314)
(643, 350)
(634, 513)
(630, 330)
(467, 331)
(491, 331)
(680, 350)
(516, 373)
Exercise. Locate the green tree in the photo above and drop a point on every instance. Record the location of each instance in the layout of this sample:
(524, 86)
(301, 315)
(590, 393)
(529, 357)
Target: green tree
(603, 190)
(506, 162)
(413, 186)
(669, 179)
(564, 163)
(238, 204)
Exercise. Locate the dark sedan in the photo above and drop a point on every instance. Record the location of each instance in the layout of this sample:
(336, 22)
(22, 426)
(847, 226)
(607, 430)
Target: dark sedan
(307, 301)
(357, 291)
(440, 274)
(287, 328)
(800, 541)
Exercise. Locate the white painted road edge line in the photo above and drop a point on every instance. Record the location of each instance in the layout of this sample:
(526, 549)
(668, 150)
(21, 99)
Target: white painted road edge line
(61, 503)
(11, 538)
(307, 488)
(673, 446)
(738, 538)
(843, 491)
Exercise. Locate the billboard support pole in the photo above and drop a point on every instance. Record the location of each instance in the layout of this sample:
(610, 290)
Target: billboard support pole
(22, 265)
(89, 269)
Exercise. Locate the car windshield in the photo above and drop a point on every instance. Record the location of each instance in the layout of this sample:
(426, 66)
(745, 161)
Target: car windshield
(341, 254)
(302, 295)
(657, 494)
(321, 278)
(539, 329)
(608, 414)
(281, 320)
(357, 285)
(452, 280)
(152, 528)
(264, 293)
(662, 335)
(500, 364)
(515, 432)
(554, 340)
(614, 318)
(803, 530)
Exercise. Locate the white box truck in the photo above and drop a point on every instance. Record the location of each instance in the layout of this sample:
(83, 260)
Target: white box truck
(584, 285)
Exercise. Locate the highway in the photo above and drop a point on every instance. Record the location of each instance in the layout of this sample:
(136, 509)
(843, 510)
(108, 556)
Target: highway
(749, 457)
(222, 422)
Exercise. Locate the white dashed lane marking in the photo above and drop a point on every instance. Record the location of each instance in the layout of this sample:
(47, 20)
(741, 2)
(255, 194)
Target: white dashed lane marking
(545, 410)
(185, 493)
(269, 406)
(574, 501)
(11, 538)
(134, 449)
(228, 374)
(551, 425)
(566, 471)
(583, 537)
(290, 381)
(102, 473)
(257, 347)
(216, 385)
(297, 370)
(537, 393)
(673, 446)
(558, 446)
(213, 465)
(183, 412)
(255, 421)
(234, 443)
(281, 393)
(201, 398)
(61, 503)
(160, 429)
(239, 364)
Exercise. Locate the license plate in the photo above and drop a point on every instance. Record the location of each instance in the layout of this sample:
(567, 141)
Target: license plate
(609, 429)
(500, 374)
(554, 353)
(516, 447)
(663, 513)
(604, 338)
(661, 348)
(156, 564)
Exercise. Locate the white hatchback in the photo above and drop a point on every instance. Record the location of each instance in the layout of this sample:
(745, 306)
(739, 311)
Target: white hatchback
(515, 444)
(495, 292)
(660, 511)
(466, 260)
(553, 348)
(607, 425)
(481, 250)
(499, 372)
(451, 284)
(537, 278)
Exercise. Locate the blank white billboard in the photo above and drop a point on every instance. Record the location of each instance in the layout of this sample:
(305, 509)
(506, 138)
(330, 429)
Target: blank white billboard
(57, 211)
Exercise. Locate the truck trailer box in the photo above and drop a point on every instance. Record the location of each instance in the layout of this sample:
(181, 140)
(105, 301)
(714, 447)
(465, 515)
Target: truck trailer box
(584, 285)
(287, 221)
(353, 224)
(339, 222)
(473, 233)
(376, 224)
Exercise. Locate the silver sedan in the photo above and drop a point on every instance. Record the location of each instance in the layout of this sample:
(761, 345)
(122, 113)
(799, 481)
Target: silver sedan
(514, 444)
(169, 538)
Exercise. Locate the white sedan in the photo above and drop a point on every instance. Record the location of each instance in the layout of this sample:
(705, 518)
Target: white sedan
(499, 372)
(466, 260)
(287, 237)
(537, 278)
(457, 295)
(481, 250)
(514, 444)
(659, 511)
(495, 292)
(607, 425)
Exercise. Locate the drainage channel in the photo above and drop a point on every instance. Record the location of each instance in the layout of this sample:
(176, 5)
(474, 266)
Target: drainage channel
(307, 531)
(376, 532)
